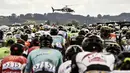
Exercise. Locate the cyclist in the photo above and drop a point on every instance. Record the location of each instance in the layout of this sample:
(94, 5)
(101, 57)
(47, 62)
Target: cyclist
(46, 59)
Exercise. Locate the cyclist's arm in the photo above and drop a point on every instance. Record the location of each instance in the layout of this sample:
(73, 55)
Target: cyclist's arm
(1, 67)
(23, 68)
(28, 67)
(60, 62)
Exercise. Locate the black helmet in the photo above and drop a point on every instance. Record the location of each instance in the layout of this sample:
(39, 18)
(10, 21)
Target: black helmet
(45, 40)
(17, 49)
(82, 32)
(25, 27)
(128, 34)
(35, 41)
(88, 34)
(92, 43)
(99, 26)
(28, 31)
(54, 31)
(124, 30)
(60, 27)
(113, 48)
(72, 50)
(10, 42)
(123, 62)
(24, 37)
(79, 40)
(1, 34)
(105, 31)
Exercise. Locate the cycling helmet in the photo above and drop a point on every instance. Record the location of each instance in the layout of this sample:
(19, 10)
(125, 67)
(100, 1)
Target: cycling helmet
(113, 48)
(105, 31)
(45, 40)
(99, 26)
(79, 39)
(111, 25)
(128, 34)
(24, 37)
(28, 31)
(37, 34)
(1, 34)
(92, 43)
(126, 64)
(17, 49)
(123, 61)
(54, 31)
(82, 32)
(88, 34)
(35, 41)
(25, 27)
(72, 50)
(124, 30)
(60, 27)
(9, 35)
(9, 42)
(46, 27)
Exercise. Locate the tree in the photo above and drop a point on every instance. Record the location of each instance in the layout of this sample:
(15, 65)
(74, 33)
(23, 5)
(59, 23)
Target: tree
(21, 16)
(13, 18)
(75, 23)
(57, 23)
(69, 24)
(14, 15)
(47, 22)
(29, 16)
(99, 16)
(88, 16)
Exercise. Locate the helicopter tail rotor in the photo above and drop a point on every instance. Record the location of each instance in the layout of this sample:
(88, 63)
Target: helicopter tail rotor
(53, 9)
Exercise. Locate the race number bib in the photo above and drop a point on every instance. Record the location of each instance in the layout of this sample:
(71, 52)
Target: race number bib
(44, 66)
(12, 66)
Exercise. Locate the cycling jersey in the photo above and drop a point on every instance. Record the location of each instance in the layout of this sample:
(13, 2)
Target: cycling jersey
(63, 33)
(87, 61)
(13, 64)
(58, 41)
(43, 60)
(65, 67)
(33, 48)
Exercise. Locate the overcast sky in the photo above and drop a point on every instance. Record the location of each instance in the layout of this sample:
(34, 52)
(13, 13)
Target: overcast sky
(82, 7)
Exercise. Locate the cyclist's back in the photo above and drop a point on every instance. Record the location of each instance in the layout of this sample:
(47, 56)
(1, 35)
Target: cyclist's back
(44, 59)
(49, 55)
(15, 62)
(58, 40)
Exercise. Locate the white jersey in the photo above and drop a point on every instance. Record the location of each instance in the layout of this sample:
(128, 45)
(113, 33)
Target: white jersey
(85, 59)
(63, 33)
(65, 67)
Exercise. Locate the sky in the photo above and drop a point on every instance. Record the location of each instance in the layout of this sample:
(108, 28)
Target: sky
(81, 7)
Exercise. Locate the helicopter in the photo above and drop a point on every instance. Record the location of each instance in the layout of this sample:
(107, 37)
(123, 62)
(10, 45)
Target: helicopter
(64, 9)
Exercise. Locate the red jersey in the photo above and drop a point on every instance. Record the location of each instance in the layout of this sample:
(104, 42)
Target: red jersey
(13, 64)
(33, 48)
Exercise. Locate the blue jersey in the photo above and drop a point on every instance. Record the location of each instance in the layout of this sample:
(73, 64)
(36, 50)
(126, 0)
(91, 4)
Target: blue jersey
(47, 59)
(58, 41)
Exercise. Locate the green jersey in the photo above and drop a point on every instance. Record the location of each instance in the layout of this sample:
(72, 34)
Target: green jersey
(42, 58)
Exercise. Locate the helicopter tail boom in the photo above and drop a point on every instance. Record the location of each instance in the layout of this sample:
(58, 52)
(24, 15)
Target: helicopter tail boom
(53, 9)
